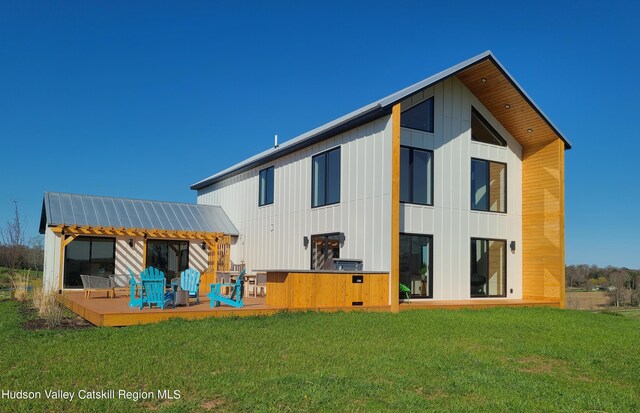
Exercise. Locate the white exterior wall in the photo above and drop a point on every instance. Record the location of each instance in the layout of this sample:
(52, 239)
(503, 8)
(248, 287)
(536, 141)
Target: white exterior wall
(51, 266)
(126, 257)
(450, 220)
(271, 236)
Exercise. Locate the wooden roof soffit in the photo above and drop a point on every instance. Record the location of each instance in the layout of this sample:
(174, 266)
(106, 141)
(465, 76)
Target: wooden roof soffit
(510, 107)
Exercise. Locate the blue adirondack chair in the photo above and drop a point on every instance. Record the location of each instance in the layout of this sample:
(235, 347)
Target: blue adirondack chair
(190, 281)
(153, 289)
(234, 299)
(135, 290)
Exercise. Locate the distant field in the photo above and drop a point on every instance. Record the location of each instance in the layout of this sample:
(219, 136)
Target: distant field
(587, 300)
(5, 279)
(491, 360)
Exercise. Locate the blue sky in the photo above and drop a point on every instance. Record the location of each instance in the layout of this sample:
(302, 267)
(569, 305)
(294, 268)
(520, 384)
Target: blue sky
(141, 99)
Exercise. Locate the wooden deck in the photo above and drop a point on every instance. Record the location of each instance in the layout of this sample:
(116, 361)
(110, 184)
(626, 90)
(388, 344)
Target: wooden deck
(102, 311)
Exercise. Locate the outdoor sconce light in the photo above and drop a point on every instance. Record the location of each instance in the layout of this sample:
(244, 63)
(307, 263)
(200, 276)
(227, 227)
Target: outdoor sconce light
(131, 242)
(342, 238)
(203, 246)
(513, 246)
(305, 241)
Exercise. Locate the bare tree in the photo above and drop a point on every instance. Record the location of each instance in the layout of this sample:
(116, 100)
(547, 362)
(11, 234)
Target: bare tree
(13, 239)
(618, 282)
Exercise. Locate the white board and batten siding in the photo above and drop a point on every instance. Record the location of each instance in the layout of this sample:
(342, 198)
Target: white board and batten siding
(450, 220)
(126, 257)
(271, 236)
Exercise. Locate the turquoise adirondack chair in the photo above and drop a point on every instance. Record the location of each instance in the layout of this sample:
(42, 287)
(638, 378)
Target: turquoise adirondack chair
(234, 299)
(135, 290)
(190, 281)
(153, 289)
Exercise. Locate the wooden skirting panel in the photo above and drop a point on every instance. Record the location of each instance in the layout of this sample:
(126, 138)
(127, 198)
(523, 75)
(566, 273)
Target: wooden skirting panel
(293, 290)
(543, 221)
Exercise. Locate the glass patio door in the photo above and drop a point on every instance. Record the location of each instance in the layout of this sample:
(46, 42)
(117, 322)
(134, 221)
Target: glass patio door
(416, 265)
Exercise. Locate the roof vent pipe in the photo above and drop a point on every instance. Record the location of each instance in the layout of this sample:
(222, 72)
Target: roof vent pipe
(275, 141)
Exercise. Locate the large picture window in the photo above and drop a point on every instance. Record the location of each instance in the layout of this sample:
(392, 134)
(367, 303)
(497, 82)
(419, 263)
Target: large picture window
(419, 117)
(482, 131)
(170, 257)
(324, 248)
(265, 193)
(88, 256)
(416, 262)
(488, 186)
(325, 179)
(416, 176)
(488, 268)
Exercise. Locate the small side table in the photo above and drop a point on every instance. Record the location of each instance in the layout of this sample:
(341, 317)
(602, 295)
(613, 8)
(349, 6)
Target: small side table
(181, 297)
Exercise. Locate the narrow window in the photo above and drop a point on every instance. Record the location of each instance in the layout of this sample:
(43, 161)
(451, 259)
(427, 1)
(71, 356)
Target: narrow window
(419, 117)
(482, 131)
(488, 268)
(325, 178)
(416, 176)
(266, 186)
(88, 256)
(416, 252)
(488, 186)
(324, 248)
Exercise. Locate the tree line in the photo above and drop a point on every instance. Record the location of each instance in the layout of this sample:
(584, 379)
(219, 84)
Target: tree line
(622, 284)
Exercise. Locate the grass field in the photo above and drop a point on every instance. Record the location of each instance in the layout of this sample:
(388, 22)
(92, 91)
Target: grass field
(495, 360)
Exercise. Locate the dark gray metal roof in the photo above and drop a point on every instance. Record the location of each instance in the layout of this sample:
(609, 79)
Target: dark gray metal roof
(363, 115)
(73, 209)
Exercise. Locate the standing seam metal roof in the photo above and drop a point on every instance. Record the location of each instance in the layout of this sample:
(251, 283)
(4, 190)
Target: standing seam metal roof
(365, 114)
(74, 209)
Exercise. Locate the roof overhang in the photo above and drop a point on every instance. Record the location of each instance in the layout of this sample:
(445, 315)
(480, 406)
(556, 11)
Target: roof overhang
(524, 120)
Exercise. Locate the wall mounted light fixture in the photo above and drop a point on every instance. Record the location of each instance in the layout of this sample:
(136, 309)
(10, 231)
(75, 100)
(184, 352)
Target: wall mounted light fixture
(305, 241)
(203, 245)
(513, 246)
(131, 242)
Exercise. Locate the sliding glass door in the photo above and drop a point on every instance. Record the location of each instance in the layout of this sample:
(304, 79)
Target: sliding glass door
(170, 257)
(416, 273)
(88, 256)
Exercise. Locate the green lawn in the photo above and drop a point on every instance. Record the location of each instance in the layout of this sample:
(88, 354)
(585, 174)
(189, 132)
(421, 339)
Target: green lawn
(496, 360)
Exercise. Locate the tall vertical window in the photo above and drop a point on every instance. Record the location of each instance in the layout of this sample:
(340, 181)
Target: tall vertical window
(88, 256)
(324, 248)
(416, 176)
(325, 178)
(265, 193)
(482, 131)
(170, 257)
(416, 262)
(419, 117)
(488, 268)
(488, 186)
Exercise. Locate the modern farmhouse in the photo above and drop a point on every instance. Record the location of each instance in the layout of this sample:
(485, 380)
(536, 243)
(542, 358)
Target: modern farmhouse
(447, 193)
(453, 186)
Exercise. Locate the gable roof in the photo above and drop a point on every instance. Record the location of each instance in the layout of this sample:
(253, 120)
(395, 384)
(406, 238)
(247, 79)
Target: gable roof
(497, 89)
(74, 209)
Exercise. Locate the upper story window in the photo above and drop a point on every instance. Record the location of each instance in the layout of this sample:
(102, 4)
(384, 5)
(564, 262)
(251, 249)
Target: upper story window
(482, 131)
(265, 194)
(416, 176)
(419, 117)
(325, 179)
(488, 186)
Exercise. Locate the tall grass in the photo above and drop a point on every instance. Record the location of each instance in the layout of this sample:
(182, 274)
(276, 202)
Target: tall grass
(48, 307)
(20, 285)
